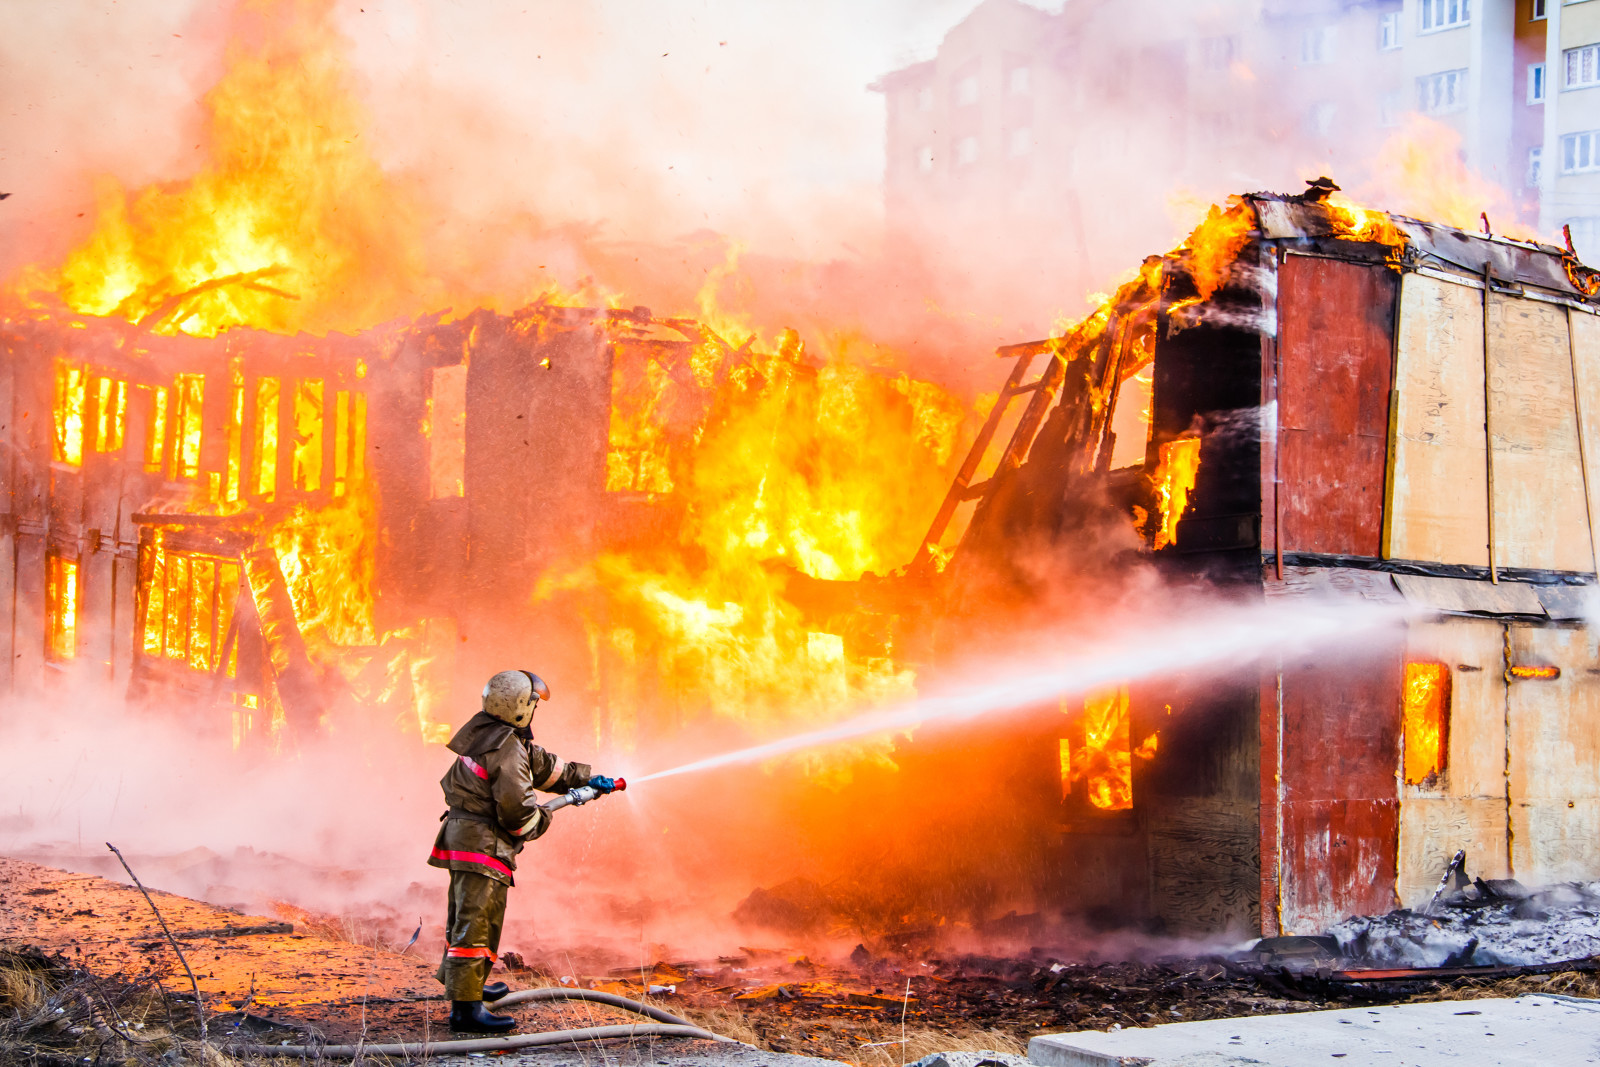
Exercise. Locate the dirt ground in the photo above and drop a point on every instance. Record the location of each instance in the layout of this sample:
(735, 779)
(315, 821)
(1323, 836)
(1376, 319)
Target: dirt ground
(259, 975)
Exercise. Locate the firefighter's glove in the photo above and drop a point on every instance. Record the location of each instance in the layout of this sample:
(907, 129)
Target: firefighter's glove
(602, 784)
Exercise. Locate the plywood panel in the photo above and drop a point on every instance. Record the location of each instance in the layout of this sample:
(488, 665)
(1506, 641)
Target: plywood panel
(1475, 651)
(1439, 498)
(1554, 736)
(1340, 807)
(1337, 322)
(1540, 514)
(1203, 866)
(1466, 807)
(1433, 828)
(1585, 337)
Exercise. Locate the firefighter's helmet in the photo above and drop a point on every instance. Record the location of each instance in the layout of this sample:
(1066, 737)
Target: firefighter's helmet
(511, 696)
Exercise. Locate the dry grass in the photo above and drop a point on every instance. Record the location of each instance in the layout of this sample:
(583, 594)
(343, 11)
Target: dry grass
(726, 1022)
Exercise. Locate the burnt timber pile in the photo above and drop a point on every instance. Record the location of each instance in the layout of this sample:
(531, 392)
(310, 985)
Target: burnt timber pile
(1352, 405)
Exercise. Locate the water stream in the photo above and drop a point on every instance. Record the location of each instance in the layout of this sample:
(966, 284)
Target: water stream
(1218, 639)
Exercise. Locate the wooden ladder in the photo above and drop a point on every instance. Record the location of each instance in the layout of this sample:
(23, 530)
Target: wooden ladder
(1043, 390)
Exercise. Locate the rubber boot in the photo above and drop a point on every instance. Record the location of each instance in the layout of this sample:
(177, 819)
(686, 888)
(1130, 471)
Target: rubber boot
(493, 991)
(470, 1017)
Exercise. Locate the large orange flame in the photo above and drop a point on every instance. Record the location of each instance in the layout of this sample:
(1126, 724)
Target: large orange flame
(291, 226)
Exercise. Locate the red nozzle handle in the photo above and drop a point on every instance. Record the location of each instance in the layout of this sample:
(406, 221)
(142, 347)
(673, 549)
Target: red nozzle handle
(622, 783)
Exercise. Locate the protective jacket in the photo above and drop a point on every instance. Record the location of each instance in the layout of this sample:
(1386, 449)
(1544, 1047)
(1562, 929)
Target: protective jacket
(490, 789)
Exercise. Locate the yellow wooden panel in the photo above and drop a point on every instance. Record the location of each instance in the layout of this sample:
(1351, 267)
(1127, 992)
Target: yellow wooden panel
(1438, 506)
(1586, 357)
(1433, 828)
(1541, 517)
(1467, 807)
(1554, 765)
(1475, 652)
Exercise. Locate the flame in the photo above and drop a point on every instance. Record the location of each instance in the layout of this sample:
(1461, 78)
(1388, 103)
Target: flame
(291, 226)
(1216, 243)
(1426, 716)
(1523, 670)
(1175, 477)
(1363, 224)
(778, 467)
(1421, 171)
(61, 607)
(1104, 762)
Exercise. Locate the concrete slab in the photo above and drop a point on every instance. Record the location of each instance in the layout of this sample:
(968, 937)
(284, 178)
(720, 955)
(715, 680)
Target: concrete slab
(1538, 1031)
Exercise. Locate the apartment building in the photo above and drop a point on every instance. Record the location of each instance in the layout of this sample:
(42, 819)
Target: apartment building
(1027, 136)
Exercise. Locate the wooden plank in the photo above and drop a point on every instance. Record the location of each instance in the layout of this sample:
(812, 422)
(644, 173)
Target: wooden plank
(1270, 779)
(1340, 808)
(1584, 336)
(1439, 510)
(1540, 514)
(1465, 807)
(1336, 338)
(1554, 766)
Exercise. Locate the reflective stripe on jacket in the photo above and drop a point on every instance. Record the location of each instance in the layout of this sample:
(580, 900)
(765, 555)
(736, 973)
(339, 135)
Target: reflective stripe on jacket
(491, 788)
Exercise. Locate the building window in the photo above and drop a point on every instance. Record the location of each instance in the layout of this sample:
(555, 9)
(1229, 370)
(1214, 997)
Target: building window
(1391, 107)
(1583, 66)
(1536, 10)
(1216, 125)
(189, 609)
(1580, 152)
(1218, 53)
(1585, 238)
(1535, 83)
(1440, 93)
(967, 150)
(61, 604)
(1535, 172)
(966, 90)
(1445, 14)
(190, 392)
(1427, 721)
(1019, 82)
(1319, 119)
(925, 98)
(1389, 32)
(1316, 46)
(925, 159)
(68, 410)
(1020, 142)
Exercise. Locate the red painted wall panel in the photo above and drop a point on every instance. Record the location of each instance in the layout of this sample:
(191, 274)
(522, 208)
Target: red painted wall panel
(1336, 327)
(1338, 797)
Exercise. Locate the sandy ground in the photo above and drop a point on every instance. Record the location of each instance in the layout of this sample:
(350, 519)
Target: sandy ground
(295, 979)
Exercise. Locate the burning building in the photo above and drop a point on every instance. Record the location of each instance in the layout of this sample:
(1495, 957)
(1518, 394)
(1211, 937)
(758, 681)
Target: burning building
(1345, 404)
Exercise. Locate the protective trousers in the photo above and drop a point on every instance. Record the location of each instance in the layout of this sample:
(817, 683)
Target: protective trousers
(472, 933)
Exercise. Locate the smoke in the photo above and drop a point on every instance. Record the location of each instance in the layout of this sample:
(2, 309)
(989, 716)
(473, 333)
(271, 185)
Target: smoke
(343, 821)
(610, 148)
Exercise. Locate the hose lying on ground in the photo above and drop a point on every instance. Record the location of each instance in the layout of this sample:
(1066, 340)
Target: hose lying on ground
(670, 1025)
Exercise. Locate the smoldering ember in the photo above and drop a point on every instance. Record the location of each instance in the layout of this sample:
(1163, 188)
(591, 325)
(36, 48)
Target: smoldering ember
(840, 637)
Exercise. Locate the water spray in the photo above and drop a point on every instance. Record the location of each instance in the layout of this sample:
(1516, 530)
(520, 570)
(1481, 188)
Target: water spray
(1219, 638)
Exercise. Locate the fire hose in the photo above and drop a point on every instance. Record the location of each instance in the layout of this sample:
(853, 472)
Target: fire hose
(668, 1025)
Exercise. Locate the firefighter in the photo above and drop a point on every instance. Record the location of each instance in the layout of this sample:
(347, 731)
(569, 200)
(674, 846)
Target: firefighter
(493, 811)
